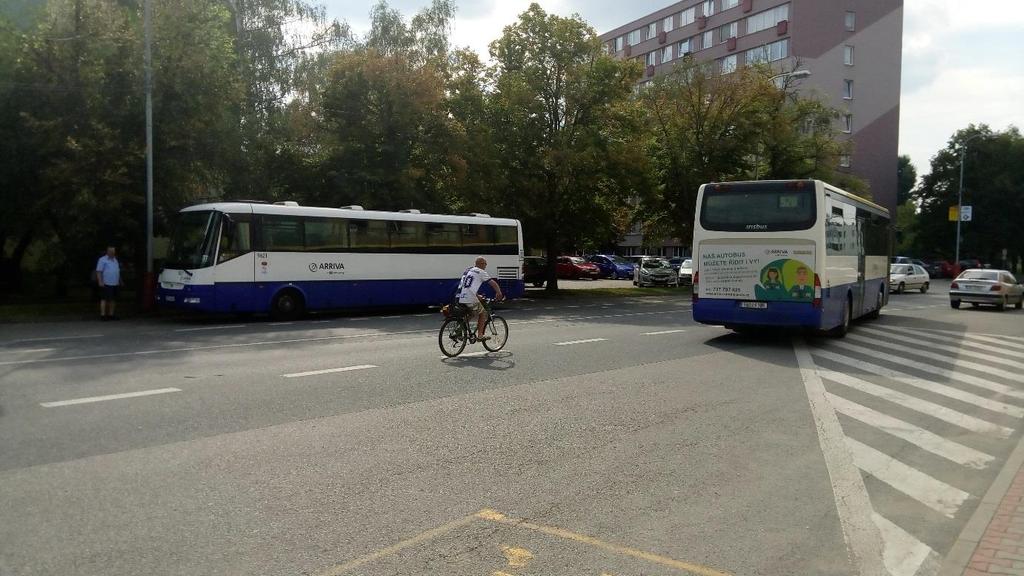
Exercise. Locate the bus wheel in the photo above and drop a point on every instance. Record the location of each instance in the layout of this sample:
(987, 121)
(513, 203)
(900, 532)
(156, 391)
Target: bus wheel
(287, 305)
(874, 314)
(844, 326)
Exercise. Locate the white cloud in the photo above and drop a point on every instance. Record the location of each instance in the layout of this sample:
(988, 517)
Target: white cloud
(483, 26)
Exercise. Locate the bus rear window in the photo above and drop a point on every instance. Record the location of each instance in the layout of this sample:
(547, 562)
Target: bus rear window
(762, 208)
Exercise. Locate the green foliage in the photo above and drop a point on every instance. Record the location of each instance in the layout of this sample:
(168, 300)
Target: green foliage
(906, 179)
(993, 184)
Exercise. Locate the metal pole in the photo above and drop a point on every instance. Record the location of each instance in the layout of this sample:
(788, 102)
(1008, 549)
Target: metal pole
(149, 136)
(959, 204)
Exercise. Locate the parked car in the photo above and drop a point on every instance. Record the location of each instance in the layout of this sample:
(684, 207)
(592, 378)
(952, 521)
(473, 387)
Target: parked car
(947, 269)
(574, 268)
(612, 266)
(676, 263)
(655, 271)
(979, 286)
(901, 260)
(903, 277)
(686, 272)
(933, 268)
(535, 270)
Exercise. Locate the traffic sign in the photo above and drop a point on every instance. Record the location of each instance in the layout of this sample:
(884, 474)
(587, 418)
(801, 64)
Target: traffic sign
(952, 213)
(966, 212)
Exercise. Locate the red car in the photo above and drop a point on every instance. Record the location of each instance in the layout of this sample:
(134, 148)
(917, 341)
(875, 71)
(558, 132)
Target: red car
(574, 267)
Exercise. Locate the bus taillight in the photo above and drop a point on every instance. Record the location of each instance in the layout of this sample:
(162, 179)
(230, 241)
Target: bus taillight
(817, 292)
(696, 282)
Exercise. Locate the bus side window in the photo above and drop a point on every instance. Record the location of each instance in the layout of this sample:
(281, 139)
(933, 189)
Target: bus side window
(235, 236)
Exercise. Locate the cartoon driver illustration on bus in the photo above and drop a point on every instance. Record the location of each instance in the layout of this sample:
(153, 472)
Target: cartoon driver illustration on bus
(802, 289)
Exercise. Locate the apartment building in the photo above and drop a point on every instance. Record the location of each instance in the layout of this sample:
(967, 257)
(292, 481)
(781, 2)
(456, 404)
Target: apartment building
(852, 50)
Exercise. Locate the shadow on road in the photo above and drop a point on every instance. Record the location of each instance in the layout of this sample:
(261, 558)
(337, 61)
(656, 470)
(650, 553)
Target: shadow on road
(502, 360)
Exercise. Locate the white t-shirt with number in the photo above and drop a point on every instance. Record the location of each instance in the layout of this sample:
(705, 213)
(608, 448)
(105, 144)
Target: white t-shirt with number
(472, 279)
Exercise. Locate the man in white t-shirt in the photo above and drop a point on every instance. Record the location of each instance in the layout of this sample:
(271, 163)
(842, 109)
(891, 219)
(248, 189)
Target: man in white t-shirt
(472, 279)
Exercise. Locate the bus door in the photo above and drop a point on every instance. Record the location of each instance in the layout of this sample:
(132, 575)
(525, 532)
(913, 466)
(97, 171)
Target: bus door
(858, 289)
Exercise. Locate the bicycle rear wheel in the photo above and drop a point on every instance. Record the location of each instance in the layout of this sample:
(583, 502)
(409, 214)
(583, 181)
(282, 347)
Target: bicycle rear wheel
(452, 337)
(497, 329)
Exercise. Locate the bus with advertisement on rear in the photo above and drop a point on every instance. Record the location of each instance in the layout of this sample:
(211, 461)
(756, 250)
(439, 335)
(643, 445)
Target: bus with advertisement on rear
(285, 259)
(788, 253)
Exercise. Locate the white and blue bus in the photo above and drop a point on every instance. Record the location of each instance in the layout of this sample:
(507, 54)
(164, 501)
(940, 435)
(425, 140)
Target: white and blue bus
(795, 253)
(284, 258)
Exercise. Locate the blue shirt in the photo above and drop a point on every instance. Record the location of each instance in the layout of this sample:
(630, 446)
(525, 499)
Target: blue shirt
(110, 270)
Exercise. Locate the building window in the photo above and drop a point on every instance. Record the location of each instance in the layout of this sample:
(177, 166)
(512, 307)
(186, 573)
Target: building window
(848, 55)
(769, 52)
(688, 16)
(727, 4)
(727, 31)
(666, 54)
(729, 64)
(767, 19)
(618, 44)
(651, 58)
(684, 48)
(652, 30)
(708, 40)
(633, 38)
(708, 7)
(847, 123)
(848, 89)
(851, 21)
(668, 23)
(844, 160)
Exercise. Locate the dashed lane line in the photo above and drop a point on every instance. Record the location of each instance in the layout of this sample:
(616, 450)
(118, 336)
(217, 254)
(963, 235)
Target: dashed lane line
(587, 341)
(92, 399)
(205, 328)
(330, 371)
(54, 338)
(661, 332)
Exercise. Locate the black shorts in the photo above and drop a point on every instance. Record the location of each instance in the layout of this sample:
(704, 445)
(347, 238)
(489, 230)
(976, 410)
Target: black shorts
(108, 293)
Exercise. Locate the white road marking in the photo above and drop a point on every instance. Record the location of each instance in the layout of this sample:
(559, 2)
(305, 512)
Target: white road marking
(389, 317)
(923, 406)
(27, 350)
(280, 323)
(1008, 341)
(954, 350)
(940, 338)
(942, 372)
(423, 315)
(201, 328)
(1014, 376)
(941, 389)
(587, 341)
(330, 371)
(320, 321)
(51, 338)
(851, 496)
(904, 555)
(659, 333)
(361, 318)
(572, 306)
(928, 441)
(108, 397)
(933, 493)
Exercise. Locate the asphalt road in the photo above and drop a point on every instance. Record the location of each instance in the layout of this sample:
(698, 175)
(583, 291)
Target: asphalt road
(609, 437)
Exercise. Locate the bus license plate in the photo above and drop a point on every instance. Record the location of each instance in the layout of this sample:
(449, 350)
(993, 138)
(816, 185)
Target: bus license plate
(758, 305)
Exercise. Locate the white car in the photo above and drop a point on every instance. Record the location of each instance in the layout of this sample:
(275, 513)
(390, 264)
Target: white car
(686, 272)
(903, 277)
(978, 286)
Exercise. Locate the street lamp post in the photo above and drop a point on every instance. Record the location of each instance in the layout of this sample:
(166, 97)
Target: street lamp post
(960, 196)
(149, 281)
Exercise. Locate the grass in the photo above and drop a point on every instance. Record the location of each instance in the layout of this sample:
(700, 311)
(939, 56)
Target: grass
(78, 305)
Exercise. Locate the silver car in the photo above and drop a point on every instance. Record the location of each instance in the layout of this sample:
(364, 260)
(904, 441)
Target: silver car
(686, 272)
(655, 271)
(979, 286)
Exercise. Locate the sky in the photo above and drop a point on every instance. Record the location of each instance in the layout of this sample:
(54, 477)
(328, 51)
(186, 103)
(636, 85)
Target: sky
(960, 65)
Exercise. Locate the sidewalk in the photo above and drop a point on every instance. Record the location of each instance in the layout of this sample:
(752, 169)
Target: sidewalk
(992, 542)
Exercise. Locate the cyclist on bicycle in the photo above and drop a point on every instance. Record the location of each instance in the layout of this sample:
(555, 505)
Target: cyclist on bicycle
(472, 279)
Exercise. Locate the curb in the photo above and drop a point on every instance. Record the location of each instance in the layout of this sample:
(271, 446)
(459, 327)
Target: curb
(960, 554)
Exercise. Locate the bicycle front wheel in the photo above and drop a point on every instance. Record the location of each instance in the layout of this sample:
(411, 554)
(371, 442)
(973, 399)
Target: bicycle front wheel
(452, 337)
(497, 329)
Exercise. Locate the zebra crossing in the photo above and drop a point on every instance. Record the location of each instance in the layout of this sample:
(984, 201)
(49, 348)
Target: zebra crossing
(927, 416)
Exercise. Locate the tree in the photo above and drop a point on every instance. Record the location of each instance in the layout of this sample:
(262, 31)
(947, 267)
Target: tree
(906, 179)
(993, 185)
(565, 131)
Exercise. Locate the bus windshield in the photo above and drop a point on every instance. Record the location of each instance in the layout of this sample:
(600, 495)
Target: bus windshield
(191, 241)
(758, 208)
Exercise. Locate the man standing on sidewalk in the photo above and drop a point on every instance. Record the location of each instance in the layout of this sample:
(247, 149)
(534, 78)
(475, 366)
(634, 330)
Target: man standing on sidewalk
(108, 276)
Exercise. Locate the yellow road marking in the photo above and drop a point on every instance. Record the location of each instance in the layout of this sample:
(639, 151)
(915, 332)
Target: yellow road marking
(394, 548)
(517, 557)
(498, 517)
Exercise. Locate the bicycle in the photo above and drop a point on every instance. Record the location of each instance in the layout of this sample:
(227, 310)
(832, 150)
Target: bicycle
(456, 332)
